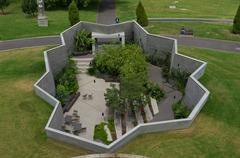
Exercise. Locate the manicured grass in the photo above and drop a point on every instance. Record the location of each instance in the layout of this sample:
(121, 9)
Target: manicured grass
(184, 8)
(23, 115)
(204, 30)
(216, 131)
(17, 25)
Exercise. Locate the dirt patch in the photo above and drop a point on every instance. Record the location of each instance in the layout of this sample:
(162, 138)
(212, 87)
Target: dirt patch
(24, 85)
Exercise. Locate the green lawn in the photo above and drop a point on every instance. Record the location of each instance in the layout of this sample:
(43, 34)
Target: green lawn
(23, 115)
(205, 30)
(17, 25)
(215, 132)
(184, 8)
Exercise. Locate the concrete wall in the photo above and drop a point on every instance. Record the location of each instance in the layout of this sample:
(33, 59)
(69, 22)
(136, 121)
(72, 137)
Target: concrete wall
(55, 59)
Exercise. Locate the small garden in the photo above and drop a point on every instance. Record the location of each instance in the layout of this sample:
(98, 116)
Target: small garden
(129, 66)
(83, 43)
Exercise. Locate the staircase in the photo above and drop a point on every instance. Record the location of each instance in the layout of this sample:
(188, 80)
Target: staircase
(82, 64)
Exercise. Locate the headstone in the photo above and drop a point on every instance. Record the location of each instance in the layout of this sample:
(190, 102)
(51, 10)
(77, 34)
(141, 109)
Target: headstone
(42, 18)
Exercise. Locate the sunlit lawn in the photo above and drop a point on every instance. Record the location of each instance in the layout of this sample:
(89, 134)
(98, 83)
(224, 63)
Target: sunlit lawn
(17, 25)
(184, 8)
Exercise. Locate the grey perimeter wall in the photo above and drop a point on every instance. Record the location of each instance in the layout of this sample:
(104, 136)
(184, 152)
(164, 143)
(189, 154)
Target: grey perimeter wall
(56, 59)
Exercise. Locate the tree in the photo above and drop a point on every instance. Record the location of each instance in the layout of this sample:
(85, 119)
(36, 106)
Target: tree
(142, 18)
(73, 13)
(236, 22)
(113, 100)
(132, 89)
(4, 4)
(29, 7)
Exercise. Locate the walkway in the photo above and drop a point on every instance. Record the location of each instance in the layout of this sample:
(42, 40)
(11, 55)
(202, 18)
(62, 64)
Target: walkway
(171, 95)
(106, 12)
(29, 42)
(91, 104)
(190, 20)
(221, 45)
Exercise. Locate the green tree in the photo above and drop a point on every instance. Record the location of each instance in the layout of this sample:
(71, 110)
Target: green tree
(73, 13)
(4, 4)
(113, 100)
(29, 7)
(142, 18)
(132, 89)
(236, 22)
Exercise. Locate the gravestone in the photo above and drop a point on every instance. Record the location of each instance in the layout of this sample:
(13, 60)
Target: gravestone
(42, 18)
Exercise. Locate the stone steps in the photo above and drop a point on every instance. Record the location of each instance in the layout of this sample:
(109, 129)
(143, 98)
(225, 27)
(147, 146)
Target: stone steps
(82, 64)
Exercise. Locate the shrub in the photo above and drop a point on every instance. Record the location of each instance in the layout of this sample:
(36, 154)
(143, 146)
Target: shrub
(62, 94)
(180, 77)
(66, 83)
(83, 41)
(3, 5)
(180, 111)
(142, 18)
(73, 13)
(154, 91)
(113, 100)
(100, 134)
(29, 7)
(236, 22)
(114, 60)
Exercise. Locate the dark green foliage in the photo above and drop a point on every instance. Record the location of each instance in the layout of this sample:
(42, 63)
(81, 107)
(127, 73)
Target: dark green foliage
(127, 63)
(62, 4)
(111, 125)
(4, 4)
(112, 98)
(132, 90)
(100, 134)
(66, 83)
(83, 41)
(180, 111)
(180, 77)
(62, 94)
(142, 18)
(29, 7)
(154, 91)
(73, 13)
(236, 22)
(116, 60)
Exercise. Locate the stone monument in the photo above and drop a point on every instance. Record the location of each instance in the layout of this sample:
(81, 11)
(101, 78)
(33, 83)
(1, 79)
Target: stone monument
(42, 18)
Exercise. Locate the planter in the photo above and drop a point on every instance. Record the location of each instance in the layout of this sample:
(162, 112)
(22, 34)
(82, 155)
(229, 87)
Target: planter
(76, 53)
(72, 100)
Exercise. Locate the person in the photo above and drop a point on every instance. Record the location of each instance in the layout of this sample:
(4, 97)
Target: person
(117, 20)
(94, 81)
(183, 31)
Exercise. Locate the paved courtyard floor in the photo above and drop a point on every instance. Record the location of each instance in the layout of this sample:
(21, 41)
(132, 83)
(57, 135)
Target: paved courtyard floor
(90, 110)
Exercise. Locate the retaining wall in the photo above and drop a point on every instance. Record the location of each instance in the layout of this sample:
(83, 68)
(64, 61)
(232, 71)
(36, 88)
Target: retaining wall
(55, 60)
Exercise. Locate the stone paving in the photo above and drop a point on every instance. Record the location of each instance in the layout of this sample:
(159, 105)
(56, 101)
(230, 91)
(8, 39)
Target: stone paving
(90, 109)
(171, 94)
(106, 12)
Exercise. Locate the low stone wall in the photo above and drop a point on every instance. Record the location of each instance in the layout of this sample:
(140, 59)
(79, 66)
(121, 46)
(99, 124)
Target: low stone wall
(55, 60)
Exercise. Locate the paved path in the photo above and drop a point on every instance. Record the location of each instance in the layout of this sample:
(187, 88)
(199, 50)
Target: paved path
(190, 20)
(106, 12)
(29, 42)
(221, 45)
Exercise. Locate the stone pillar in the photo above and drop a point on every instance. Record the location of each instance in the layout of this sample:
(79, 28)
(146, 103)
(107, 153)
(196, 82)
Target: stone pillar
(42, 18)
